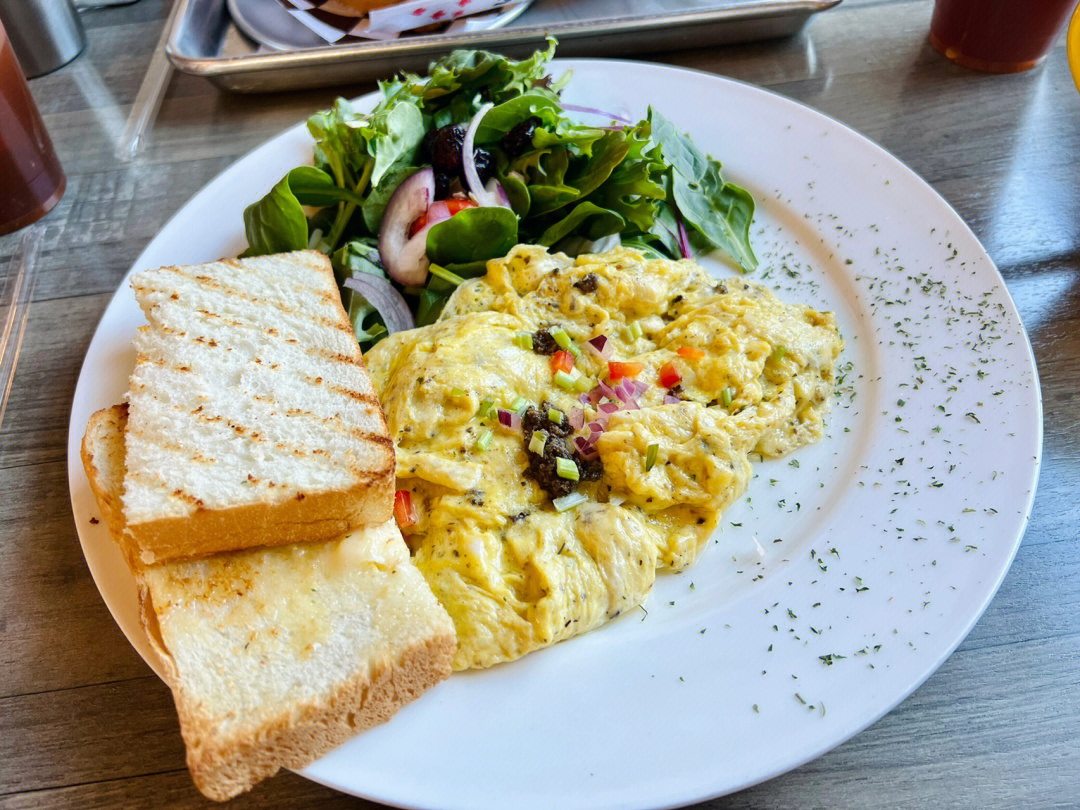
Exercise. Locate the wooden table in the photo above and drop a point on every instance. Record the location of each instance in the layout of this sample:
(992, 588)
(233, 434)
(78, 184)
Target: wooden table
(85, 723)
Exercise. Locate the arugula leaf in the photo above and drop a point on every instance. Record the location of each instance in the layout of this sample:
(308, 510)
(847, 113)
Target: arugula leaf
(588, 174)
(312, 186)
(374, 206)
(472, 235)
(719, 211)
(276, 223)
(586, 219)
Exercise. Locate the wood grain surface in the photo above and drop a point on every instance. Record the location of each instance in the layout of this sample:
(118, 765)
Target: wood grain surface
(83, 721)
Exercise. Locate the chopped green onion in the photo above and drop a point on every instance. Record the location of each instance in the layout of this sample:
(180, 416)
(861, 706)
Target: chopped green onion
(555, 415)
(414, 290)
(446, 275)
(519, 406)
(568, 501)
(779, 353)
(650, 456)
(564, 380)
(457, 392)
(484, 409)
(636, 330)
(567, 469)
(726, 395)
(561, 338)
(524, 340)
(484, 442)
(583, 384)
(538, 442)
(574, 350)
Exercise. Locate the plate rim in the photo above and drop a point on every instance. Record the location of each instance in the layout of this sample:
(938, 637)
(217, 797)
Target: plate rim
(75, 432)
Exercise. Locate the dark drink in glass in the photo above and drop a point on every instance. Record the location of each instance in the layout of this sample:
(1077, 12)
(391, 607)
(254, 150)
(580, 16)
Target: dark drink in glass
(998, 36)
(31, 180)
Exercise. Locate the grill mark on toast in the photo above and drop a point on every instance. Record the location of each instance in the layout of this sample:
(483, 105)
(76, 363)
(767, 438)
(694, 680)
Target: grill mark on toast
(296, 450)
(369, 399)
(209, 282)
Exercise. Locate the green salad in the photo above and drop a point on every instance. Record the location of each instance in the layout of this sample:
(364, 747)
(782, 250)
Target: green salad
(456, 167)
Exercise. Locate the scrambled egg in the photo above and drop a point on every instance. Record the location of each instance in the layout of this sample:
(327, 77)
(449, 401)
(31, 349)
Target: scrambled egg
(754, 376)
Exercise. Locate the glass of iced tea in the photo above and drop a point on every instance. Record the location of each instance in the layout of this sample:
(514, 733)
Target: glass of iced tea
(998, 36)
(31, 180)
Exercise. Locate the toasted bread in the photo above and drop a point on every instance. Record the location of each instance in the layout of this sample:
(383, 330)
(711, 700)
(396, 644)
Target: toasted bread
(277, 655)
(252, 419)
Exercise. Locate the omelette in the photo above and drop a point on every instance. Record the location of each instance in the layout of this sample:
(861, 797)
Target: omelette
(569, 427)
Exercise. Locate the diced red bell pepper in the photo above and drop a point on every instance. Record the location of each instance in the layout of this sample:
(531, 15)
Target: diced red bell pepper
(617, 370)
(403, 508)
(669, 375)
(691, 353)
(562, 361)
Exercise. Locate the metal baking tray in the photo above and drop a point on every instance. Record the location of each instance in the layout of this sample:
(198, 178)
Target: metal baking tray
(205, 42)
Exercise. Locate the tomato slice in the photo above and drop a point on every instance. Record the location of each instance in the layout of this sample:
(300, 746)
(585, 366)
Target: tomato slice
(453, 205)
(669, 375)
(403, 508)
(562, 361)
(617, 370)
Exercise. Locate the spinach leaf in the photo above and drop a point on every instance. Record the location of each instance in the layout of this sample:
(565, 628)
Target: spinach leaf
(473, 235)
(645, 246)
(721, 212)
(430, 306)
(312, 186)
(517, 192)
(501, 119)
(375, 204)
(395, 135)
(276, 223)
(587, 220)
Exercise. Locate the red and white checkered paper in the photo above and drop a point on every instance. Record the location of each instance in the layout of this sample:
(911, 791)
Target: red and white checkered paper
(390, 22)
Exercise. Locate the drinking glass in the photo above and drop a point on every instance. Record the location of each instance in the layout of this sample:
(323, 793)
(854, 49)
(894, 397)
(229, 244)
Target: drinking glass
(31, 180)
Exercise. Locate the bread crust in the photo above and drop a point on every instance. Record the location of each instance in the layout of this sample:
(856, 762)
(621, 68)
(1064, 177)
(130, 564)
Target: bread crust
(98, 428)
(302, 518)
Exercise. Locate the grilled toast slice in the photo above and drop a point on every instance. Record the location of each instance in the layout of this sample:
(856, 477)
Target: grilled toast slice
(277, 655)
(252, 419)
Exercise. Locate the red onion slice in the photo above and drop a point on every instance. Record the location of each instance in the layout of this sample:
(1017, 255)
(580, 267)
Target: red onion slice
(468, 160)
(639, 387)
(387, 301)
(594, 111)
(670, 400)
(576, 418)
(405, 257)
(622, 393)
(588, 453)
(509, 419)
(608, 407)
(597, 428)
(601, 346)
(684, 240)
(497, 193)
(606, 390)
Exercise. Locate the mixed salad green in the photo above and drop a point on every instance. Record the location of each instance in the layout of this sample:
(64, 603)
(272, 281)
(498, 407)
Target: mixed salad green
(456, 167)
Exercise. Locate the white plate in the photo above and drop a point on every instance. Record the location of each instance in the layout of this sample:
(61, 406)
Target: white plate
(924, 505)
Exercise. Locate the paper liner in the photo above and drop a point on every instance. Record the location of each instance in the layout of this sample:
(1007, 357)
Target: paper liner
(336, 23)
